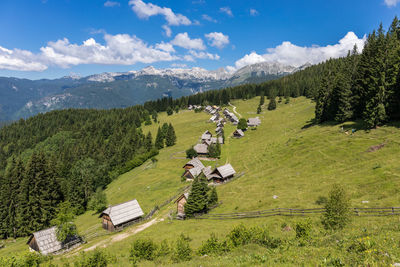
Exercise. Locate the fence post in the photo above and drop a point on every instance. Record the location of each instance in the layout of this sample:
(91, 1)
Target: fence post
(392, 210)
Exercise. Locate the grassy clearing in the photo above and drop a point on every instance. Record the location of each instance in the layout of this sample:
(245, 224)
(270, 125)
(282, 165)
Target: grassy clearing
(283, 157)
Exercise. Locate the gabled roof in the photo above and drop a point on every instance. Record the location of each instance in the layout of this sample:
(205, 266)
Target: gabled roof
(195, 162)
(124, 212)
(207, 142)
(213, 118)
(196, 171)
(238, 132)
(253, 121)
(201, 148)
(47, 240)
(206, 135)
(184, 195)
(225, 170)
(214, 140)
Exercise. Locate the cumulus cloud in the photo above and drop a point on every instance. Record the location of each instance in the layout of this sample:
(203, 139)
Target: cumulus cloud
(111, 4)
(208, 18)
(204, 55)
(183, 40)
(290, 54)
(144, 11)
(253, 12)
(217, 39)
(391, 3)
(22, 60)
(227, 10)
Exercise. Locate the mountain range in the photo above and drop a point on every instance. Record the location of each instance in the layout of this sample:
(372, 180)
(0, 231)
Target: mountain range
(22, 98)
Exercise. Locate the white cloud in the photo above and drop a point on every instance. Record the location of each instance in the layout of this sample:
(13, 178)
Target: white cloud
(183, 40)
(111, 4)
(21, 60)
(290, 54)
(167, 29)
(179, 65)
(208, 18)
(391, 3)
(165, 47)
(217, 39)
(144, 11)
(253, 12)
(203, 55)
(227, 10)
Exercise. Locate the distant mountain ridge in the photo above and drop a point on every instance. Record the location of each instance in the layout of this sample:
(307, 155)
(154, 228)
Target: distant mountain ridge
(21, 98)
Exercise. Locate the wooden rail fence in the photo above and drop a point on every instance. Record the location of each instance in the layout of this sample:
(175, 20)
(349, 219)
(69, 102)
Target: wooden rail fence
(385, 211)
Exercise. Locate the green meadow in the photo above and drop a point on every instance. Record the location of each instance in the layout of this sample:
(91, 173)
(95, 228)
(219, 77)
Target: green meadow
(286, 157)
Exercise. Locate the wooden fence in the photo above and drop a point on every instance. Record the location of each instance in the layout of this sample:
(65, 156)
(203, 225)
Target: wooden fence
(388, 211)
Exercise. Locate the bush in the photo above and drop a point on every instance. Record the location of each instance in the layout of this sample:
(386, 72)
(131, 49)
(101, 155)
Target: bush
(321, 200)
(182, 251)
(169, 111)
(97, 258)
(260, 236)
(239, 235)
(303, 229)
(242, 125)
(213, 246)
(191, 153)
(337, 207)
(164, 249)
(142, 249)
(272, 103)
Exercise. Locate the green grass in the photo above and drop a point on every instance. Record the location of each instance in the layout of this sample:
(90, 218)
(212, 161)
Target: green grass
(283, 157)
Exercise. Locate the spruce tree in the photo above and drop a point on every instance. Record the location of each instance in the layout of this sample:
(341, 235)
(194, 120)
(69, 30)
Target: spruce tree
(170, 139)
(272, 103)
(159, 143)
(148, 144)
(197, 200)
(213, 196)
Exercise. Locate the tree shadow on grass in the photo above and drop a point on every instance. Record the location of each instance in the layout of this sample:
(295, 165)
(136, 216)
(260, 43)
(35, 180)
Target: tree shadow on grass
(346, 126)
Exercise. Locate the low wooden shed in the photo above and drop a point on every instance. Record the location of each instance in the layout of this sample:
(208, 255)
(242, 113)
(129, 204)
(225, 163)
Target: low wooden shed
(180, 204)
(118, 216)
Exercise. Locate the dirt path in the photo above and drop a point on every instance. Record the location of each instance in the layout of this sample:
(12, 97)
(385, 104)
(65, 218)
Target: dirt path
(234, 110)
(122, 236)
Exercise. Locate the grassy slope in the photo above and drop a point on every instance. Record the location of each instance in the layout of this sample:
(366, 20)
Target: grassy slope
(283, 158)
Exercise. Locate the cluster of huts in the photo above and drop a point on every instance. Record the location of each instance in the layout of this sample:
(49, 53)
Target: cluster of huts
(206, 141)
(230, 116)
(193, 107)
(194, 168)
(251, 122)
(113, 218)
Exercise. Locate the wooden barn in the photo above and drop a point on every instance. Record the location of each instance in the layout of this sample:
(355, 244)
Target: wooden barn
(201, 149)
(206, 135)
(253, 122)
(222, 174)
(238, 133)
(46, 242)
(180, 205)
(192, 169)
(116, 217)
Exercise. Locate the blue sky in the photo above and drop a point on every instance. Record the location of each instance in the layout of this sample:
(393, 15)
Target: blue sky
(53, 38)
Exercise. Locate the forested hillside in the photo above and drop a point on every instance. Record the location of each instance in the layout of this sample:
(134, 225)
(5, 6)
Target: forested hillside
(65, 156)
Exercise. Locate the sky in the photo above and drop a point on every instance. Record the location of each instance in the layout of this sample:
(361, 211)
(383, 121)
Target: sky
(55, 38)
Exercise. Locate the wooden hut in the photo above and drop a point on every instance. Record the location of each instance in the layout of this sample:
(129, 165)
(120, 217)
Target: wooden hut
(238, 133)
(253, 122)
(222, 174)
(206, 135)
(180, 204)
(195, 162)
(201, 149)
(116, 217)
(192, 169)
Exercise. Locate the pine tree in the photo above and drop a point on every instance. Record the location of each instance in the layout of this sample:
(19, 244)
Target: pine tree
(272, 103)
(343, 89)
(213, 197)
(262, 99)
(159, 143)
(197, 200)
(148, 144)
(259, 110)
(169, 111)
(170, 139)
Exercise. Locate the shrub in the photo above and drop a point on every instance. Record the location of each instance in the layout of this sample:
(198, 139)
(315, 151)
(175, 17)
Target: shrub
(303, 229)
(191, 153)
(242, 125)
(169, 111)
(337, 207)
(182, 251)
(96, 258)
(142, 249)
(213, 246)
(272, 103)
(98, 202)
(260, 236)
(164, 249)
(239, 235)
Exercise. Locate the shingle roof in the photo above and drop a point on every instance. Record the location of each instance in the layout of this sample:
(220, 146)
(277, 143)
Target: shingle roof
(195, 162)
(207, 171)
(195, 171)
(239, 132)
(201, 148)
(226, 170)
(206, 135)
(214, 140)
(124, 212)
(47, 240)
(253, 121)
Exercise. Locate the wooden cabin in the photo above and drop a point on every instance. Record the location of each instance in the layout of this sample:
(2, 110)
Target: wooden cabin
(115, 217)
(253, 122)
(195, 162)
(222, 174)
(238, 133)
(180, 204)
(201, 149)
(206, 135)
